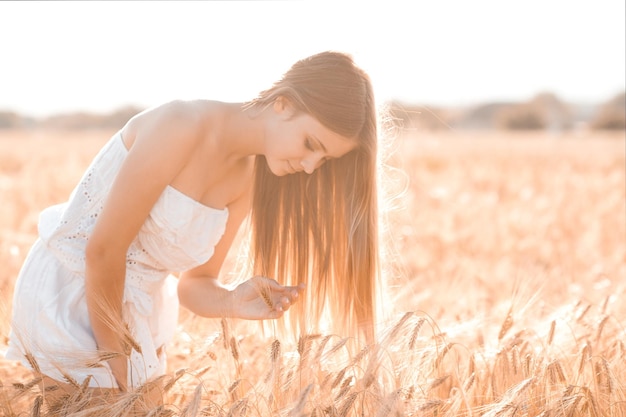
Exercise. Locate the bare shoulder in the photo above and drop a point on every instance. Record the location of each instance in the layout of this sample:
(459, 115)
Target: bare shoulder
(161, 143)
(180, 121)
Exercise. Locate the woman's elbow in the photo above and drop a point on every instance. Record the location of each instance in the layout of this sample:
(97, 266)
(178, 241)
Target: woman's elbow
(184, 292)
(99, 252)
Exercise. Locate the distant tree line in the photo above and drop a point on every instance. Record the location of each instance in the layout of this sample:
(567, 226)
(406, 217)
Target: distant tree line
(78, 120)
(545, 111)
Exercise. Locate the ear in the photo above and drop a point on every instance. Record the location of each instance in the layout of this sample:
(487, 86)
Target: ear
(283, 106)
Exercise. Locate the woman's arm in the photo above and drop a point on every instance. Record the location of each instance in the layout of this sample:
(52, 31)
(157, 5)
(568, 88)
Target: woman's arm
(199, 289)
(164, 139)
(257, 298)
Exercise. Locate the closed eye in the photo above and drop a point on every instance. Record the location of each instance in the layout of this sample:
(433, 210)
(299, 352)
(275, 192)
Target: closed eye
(308, 143)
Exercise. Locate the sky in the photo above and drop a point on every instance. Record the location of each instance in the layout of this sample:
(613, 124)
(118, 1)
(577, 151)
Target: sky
(60, 57)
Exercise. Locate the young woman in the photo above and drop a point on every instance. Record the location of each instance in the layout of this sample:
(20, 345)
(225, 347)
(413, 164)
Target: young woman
(168, 192)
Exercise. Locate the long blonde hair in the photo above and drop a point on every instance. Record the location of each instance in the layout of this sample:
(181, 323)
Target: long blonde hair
(322, 229)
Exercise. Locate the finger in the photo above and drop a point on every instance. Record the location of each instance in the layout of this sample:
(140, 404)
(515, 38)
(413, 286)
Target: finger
(285, 303)
(294, 292)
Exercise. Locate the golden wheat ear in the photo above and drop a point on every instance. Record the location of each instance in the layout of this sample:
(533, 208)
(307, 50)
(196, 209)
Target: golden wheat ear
(32, 362)
(265, 292)
(116, 322)
(36, 408)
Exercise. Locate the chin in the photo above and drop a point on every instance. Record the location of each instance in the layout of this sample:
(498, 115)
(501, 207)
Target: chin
(277, 171)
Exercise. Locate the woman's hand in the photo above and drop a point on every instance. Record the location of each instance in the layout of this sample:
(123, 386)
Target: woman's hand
(261, 298)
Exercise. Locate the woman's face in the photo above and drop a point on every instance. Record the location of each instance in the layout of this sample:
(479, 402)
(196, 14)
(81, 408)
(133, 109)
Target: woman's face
(297, 141)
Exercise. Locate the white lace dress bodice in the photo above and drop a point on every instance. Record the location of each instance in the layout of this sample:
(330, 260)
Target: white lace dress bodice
(50, 318)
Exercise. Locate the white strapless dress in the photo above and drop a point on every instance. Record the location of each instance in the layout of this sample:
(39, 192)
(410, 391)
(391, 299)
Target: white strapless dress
(50, 318)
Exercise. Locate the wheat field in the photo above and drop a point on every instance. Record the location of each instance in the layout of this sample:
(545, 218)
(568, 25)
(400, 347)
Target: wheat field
(505, 290)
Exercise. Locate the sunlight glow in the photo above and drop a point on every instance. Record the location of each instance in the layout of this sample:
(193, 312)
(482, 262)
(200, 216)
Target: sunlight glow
(102, 55)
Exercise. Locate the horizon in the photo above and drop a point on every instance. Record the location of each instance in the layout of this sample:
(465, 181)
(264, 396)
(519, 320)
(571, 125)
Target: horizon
(99, 57)
(581, 105)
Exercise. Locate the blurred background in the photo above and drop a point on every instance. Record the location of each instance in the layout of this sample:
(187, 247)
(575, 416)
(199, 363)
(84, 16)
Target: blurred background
(510, 242)
(550, 65)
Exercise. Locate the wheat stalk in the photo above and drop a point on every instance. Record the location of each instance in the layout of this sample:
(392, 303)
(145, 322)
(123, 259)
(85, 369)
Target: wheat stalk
(442, 355)
(583, 313)
(173, 379)
(225, 332)
(345, 387)
(32, 362)
(507, 324)
(396, 329)
(585, 354)
(601, 327)
(297, 410)
(36, 410)
(191, 410)
(234, 350)
(603, 377)
(239, 408)
(339, 377)
(347, 404)
(551, 333)
(232, 389)
(437, 382)
(469, 382)
(415, 332)
(555, 372)
(275, 351)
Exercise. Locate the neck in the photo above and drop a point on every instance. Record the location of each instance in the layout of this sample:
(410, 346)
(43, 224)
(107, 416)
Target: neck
(241, 131)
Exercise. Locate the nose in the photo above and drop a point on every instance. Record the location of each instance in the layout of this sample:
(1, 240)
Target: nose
(311, 163)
